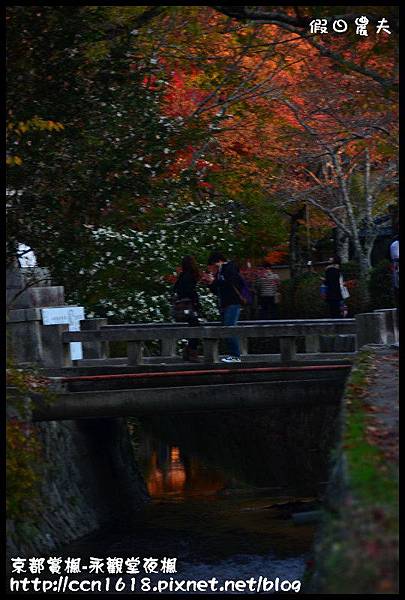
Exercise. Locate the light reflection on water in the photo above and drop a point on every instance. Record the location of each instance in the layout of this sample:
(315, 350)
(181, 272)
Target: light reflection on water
(169, 474)
(227, 527)
(215, 524)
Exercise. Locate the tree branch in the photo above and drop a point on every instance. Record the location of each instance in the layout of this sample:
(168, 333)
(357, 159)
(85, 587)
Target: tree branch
(300, 24)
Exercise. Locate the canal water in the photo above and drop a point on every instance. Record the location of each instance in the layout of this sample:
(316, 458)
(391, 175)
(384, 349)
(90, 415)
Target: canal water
(217, 508)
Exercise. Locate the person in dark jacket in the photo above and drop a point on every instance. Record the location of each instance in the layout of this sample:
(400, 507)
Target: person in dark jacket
(227, 285)
(185, 288)
(333, 290)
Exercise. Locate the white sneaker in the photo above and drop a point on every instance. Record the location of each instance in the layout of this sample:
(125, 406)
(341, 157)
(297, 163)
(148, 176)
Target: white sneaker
(231, 359)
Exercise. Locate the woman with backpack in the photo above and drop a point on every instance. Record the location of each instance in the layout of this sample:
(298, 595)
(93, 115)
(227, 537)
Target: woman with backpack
(186, 305)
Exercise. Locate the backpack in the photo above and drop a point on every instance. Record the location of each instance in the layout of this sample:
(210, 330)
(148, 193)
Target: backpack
(343, 289)
(245, 295)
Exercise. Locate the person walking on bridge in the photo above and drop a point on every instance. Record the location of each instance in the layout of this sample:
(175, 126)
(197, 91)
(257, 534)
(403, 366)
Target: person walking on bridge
(332, 281)
(227, 284)
(187, 305)
(268, 285)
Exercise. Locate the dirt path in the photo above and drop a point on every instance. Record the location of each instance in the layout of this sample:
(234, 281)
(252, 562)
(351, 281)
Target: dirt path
(382, 401)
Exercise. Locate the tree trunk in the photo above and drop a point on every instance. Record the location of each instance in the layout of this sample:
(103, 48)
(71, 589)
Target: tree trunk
(295, 253)
(368, 249)
(342, 245)
(364, 263)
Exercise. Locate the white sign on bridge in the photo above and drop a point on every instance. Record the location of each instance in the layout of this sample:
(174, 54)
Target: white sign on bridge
(66, 315)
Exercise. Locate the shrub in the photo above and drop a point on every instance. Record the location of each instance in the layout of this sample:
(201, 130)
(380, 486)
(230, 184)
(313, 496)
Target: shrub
(350, 270)
(23, 454)
(301, 298)
(308, 301)
(355, 303)
(24, 451)
(380, 286)
(287, 306)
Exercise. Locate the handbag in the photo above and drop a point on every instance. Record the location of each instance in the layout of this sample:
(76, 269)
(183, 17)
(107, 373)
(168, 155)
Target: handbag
(344, 311)
(343, 289)
(183, 309)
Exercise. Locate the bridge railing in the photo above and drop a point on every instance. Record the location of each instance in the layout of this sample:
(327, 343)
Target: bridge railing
(168, 346)
(135, 335)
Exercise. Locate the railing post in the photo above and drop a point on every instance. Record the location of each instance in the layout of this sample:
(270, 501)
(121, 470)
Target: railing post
(371, 329)
(168, 347)
(94, 349)
(391, 319)
(24, 330)
(210, 347)
(288, 348)
(312, 343)
(244, 346)
(56, 352)
(135, 352)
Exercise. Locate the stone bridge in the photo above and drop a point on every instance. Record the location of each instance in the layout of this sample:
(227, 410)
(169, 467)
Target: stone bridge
(311, 365)
(192, 390)
(138, 386)
(286, 332)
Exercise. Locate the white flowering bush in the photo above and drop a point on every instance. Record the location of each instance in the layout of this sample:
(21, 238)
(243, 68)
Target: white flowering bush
(132, 278)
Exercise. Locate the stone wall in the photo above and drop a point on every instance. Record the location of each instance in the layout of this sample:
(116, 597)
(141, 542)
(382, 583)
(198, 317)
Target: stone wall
(356, 550)
(89, 478)
(88, 474)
